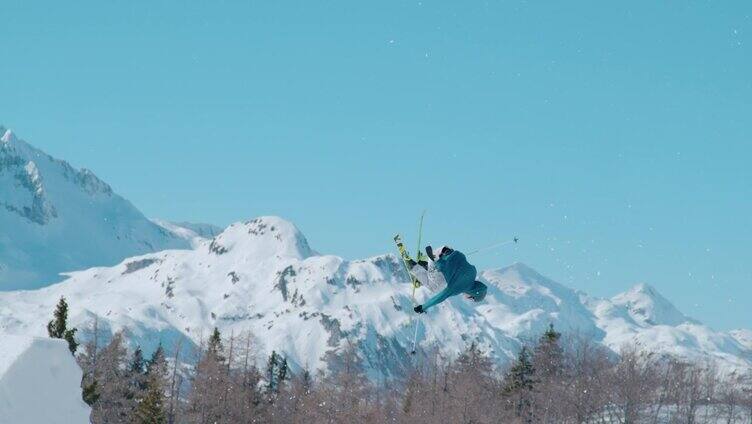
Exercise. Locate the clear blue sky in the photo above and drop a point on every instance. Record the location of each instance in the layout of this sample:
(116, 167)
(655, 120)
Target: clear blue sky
(613, 138)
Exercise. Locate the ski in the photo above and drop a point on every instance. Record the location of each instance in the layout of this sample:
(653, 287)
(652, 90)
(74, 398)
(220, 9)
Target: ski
(405, 259)
(418, 252)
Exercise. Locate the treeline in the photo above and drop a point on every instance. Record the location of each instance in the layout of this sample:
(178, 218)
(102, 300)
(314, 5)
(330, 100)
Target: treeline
(554, 380)
(576, 381)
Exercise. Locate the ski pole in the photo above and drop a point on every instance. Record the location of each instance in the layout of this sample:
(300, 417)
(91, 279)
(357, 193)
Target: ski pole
(417, 257)
(503, 243)
(415, 337)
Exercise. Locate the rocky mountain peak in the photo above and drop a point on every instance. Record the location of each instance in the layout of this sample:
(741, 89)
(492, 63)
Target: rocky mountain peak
(262, 237)
(647, 306)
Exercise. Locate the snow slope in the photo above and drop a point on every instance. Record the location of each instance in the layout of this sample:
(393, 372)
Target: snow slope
(262, 275)
(39, 382)
(194, 233)
(55, 218)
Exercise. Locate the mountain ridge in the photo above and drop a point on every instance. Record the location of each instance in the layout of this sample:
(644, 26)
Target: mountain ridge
(163, 282)
(262, 276)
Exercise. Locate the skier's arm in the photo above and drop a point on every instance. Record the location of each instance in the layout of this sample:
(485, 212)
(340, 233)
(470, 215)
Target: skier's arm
(438, 298)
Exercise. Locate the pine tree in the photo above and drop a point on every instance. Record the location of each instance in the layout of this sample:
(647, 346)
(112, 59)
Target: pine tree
(215, 346)
(89, 393)
(137, 365)
(271, 373)
(474, 360)
(548, 355)
(137, 369)
(151, 405)
(136, 374)
(551, 334)
(157, 361)
(520, 384)
(520, 376)
(306, 381)
(58, 327)
(282, 373)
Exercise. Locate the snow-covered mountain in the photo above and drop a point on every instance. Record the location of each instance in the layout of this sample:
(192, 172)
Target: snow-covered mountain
(647, 307)
(744, 337)
(643, 317)
(263, 276)
(54, 218)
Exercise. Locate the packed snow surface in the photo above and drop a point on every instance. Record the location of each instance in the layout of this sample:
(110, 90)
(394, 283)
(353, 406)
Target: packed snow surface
(262, 275)
(55, 218)
(39, 382)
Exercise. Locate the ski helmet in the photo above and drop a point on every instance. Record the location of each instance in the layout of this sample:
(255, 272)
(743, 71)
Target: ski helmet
(442, 250)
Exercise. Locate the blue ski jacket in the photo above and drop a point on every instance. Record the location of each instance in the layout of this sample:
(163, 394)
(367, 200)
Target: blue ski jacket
(460, 278)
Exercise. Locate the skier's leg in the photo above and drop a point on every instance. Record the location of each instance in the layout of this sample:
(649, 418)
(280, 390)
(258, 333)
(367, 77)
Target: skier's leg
(420, 272)
(411, 263)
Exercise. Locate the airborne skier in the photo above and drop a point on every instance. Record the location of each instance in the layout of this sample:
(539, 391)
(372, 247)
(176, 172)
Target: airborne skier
(458, 274)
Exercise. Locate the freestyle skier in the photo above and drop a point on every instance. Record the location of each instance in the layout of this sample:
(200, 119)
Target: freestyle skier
(458, 273)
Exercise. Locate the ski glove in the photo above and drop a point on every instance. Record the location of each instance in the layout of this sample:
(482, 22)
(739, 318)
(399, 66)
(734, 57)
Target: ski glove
(419, 309)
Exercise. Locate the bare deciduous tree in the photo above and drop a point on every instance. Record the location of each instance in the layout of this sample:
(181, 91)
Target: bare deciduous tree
(632, 385)
(115, 403)
(557, 380)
